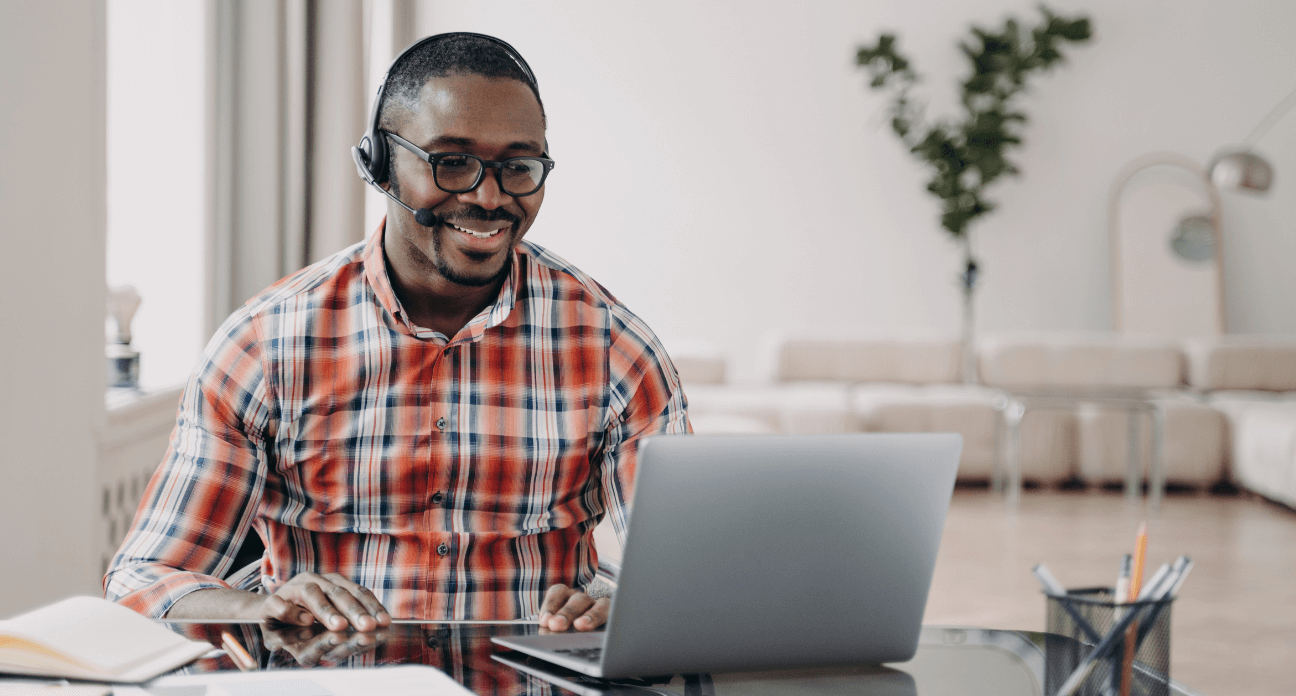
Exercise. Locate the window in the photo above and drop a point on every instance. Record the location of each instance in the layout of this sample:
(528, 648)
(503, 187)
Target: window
(157, 170)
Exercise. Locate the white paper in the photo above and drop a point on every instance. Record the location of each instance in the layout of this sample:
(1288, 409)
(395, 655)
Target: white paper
(401, 680)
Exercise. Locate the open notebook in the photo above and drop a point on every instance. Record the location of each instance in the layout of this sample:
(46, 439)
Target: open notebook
(94, 639)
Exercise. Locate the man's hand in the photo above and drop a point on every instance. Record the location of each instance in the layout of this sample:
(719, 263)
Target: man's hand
(330, 598)
(564, 608)
(335, 601)
(312, 645)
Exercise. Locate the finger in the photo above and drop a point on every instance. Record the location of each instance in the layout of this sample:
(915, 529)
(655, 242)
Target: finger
(310, 653)
(576, 605)
(555, 597)
(342, 594)
(369, 603)
(356, 644)
(280, 609)
(322, 605)
(593, 618)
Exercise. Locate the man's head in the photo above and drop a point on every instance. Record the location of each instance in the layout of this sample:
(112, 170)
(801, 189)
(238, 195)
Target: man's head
(468, 94)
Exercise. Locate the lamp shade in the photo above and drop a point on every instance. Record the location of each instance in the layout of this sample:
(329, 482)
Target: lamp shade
(1242, 170)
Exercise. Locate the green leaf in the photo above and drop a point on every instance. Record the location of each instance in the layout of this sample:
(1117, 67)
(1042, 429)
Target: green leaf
(967, 155)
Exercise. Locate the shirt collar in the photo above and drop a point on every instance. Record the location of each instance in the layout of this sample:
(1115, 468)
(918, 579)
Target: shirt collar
(375, 272)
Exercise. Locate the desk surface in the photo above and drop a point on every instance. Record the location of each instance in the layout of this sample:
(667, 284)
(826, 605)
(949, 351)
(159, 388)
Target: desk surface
(950, 662)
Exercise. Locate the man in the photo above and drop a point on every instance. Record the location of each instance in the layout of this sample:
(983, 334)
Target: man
(425, 425)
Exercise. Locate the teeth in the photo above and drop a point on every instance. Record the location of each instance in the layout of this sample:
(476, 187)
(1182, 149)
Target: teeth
(479, 235)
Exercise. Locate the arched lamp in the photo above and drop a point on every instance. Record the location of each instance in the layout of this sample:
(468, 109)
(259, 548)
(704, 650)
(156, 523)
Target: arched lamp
(1197, 236)
(1241, 169)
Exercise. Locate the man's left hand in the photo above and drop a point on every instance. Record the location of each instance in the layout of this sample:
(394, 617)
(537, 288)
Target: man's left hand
(565, 608)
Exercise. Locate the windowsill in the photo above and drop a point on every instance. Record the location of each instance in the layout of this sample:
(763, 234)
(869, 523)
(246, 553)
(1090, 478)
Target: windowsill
(132, 414)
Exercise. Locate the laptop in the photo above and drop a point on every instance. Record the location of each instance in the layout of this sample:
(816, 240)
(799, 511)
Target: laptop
(758, 552)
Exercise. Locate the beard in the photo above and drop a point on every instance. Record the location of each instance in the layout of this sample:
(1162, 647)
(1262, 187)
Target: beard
(465, 277)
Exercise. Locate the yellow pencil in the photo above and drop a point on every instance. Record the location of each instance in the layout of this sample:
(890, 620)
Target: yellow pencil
(1140, 560)
(237, 653)
(1135, 586)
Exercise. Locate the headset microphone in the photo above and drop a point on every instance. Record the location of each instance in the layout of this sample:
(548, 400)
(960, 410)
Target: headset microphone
(423, 216)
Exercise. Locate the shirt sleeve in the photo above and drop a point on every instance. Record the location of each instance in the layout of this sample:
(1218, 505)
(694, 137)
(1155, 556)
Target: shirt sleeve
(646, 399)
(200, 503)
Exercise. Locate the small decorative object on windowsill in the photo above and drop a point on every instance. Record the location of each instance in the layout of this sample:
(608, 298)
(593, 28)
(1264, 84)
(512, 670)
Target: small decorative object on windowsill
(967, 154)
(123, 361)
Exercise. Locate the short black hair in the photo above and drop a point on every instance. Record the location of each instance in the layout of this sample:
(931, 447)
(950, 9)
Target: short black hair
(457, 54)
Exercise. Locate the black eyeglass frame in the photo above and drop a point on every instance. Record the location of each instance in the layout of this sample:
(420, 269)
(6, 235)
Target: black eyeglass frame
(432, 158)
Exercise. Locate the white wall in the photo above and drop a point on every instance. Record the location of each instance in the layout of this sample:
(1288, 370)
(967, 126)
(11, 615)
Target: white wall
(51, 358)
(766, 195)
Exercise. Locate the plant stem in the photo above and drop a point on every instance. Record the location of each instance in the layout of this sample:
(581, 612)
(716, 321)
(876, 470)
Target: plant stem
(969, 281)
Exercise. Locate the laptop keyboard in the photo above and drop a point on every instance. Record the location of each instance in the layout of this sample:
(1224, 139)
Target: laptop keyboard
(585, 654)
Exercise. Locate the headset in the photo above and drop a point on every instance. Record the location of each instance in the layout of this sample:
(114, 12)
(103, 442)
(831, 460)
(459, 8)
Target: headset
(371, 153)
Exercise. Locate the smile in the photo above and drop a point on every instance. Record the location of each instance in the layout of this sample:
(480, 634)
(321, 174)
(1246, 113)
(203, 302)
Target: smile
(475, 233)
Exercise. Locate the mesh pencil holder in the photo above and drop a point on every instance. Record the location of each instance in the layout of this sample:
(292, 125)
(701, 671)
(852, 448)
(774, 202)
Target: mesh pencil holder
(1088, 617)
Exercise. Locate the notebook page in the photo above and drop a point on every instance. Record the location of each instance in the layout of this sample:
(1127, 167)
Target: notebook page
(95, 632)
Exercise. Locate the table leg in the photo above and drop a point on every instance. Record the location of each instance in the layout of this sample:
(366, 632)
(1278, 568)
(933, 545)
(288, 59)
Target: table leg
(1157, 477)
(1013, 413)
(1133, 460)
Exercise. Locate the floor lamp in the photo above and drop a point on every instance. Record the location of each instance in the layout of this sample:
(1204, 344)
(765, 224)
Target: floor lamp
(1196, 237)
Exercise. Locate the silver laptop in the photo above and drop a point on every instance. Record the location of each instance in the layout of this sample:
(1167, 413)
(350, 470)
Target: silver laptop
(753, 552)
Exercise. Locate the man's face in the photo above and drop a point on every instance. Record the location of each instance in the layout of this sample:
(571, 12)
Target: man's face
(492, 118)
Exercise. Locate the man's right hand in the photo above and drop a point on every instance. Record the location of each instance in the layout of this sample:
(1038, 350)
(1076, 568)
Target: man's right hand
(331, 599)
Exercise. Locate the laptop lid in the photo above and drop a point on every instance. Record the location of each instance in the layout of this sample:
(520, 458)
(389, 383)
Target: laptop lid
(773, 551)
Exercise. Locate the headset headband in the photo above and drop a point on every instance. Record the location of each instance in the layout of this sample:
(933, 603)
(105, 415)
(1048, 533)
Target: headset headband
(371, 153)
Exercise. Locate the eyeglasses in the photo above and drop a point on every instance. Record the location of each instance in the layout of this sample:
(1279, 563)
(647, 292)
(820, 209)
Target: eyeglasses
(457, 172)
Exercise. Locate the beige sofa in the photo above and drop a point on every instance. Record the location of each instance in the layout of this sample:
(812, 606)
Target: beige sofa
(1226, 406)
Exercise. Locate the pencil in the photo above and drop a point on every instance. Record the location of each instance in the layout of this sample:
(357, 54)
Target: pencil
(1140, 560)
(1131, 634)
(235, 650)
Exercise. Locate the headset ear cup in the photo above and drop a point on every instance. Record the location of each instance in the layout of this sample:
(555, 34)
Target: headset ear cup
(360, 155)
(377, 158)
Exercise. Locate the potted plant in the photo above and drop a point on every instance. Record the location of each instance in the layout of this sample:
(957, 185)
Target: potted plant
(968, 153)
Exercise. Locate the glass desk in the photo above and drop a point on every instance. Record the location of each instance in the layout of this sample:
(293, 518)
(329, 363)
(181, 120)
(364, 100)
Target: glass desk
(950, 662)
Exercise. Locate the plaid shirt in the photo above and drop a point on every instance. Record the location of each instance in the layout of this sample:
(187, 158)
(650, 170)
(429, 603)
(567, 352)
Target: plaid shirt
(454, 478)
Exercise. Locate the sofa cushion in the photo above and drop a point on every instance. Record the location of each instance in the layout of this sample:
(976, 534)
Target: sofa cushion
(729, 424)
(902, 360)
(1195, 442)
(974, 413)
(1080, 361)
(699, 369)
(1242, 362)
(789, 408)
(1264, 450)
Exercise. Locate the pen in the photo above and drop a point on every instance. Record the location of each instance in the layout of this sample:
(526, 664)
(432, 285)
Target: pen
(1174, 580)
(235, 650)
(1121, 595)
(1184, 564)
(1050, 583)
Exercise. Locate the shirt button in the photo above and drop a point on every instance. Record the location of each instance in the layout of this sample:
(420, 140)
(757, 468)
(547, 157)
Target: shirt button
(441, 423)
(437, 498)
(433, 643)
(443, 550)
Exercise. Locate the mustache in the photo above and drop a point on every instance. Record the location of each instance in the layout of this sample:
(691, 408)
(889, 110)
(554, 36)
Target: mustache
(477, 212)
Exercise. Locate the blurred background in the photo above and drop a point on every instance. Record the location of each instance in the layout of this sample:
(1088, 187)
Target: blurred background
(723, 168)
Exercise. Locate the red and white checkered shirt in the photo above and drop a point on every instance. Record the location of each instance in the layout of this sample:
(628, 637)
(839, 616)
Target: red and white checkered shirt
(455, 479)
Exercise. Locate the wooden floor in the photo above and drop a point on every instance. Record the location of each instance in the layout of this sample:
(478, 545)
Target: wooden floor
(1233, 628)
